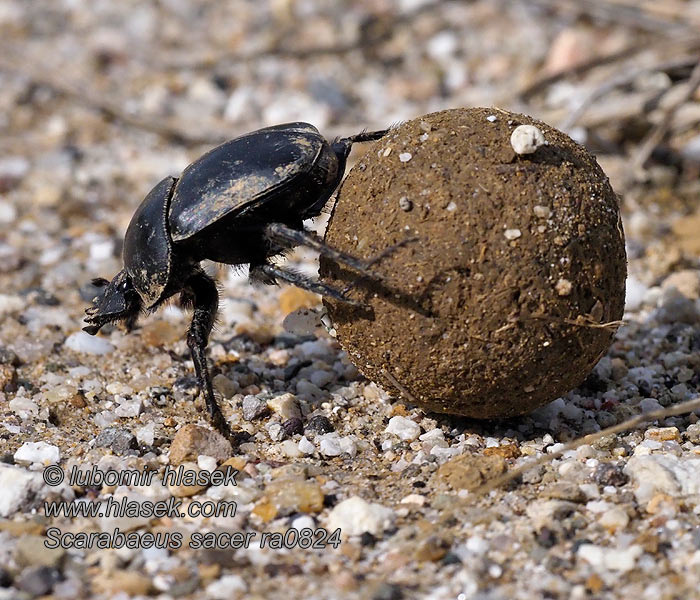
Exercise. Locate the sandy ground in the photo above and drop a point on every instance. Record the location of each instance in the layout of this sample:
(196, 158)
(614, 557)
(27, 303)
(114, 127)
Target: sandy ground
(100, 100)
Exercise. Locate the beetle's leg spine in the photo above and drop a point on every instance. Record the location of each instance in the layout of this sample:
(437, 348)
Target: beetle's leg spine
(288, 236)
(300, 281)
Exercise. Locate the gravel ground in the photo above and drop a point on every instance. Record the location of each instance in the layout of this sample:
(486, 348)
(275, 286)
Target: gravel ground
(100, 101)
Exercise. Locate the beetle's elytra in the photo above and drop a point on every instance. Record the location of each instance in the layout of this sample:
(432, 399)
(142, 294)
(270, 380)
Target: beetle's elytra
(241, 203)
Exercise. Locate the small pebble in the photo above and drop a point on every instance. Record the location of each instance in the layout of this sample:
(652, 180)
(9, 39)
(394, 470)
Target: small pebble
(81, 341)
(292, 426)
(356, 516)
(285, 405)
(191, 440)
(512, 234)
(405, 204)
(404, 428)
(226, 588)
(612, 559)
(563, 287)
(405, 157)
(254, 408)
(319, 424)
(120, 441)
(526, 139)
(305, 446)
(37, 452)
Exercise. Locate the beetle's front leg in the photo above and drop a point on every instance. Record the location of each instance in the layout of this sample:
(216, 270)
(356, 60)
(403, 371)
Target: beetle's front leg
(267, 273)
(201, 292)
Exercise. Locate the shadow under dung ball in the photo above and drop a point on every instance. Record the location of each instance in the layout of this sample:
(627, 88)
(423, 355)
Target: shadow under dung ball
(513, 283)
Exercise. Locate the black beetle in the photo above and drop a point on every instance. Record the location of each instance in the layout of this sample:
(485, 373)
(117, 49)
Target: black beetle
(242, 202)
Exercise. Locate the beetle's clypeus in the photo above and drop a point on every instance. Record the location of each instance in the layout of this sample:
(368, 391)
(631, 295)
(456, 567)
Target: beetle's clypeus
(241, 203)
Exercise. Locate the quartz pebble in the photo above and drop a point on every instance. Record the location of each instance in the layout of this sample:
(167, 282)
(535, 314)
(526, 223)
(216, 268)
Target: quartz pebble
(19, 488)
(356, 516)
(404, 428)
(37, 452)
(226, 588)
(526, 139)
(83, 342)
(612, 559)
(666, 474)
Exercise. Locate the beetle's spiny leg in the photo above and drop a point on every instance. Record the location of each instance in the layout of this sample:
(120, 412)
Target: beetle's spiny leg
(288, 236)
(300, 281)
(367, 136)
(205, 301)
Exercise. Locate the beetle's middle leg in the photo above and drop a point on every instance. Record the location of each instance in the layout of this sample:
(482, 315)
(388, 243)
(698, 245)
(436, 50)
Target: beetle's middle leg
(288, 236)
(200, 291)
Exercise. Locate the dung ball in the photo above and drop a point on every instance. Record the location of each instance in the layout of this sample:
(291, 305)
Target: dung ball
(499, 277)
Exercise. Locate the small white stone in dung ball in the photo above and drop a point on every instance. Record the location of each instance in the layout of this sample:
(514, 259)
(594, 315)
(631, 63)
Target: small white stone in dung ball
(525, 139)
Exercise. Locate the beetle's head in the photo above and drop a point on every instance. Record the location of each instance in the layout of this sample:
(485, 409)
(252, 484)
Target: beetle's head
(118, 301)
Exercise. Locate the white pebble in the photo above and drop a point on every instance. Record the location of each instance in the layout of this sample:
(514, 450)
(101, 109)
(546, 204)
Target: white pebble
(404, 428)
(19, 487)
(330, 444)
(613, 559)
(525, 139)
(129, 408)
(563, 287)
(356, 516)
(305, 446)
(226, 588)
(512, 234)
(37, 452)
(206, 463)
(304, 522)
(543, 212)
(80, 341)
(635, 293)
(492, 118)
(290, 449)
(405, 156)
(146, 434)
(661, 473)
(451, 207)
(614, 518)
(8, 212)
(102, 250)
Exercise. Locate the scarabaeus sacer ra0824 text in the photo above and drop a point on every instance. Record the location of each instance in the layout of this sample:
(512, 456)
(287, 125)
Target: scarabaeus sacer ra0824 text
(243, 202)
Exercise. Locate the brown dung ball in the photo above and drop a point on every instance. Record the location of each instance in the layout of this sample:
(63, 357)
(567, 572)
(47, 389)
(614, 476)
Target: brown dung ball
(511, 277)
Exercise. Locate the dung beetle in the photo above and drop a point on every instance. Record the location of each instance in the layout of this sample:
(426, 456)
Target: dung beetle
(241, 203)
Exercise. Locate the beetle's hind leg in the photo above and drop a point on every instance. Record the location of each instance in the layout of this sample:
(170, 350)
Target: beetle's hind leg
(267, 273)
(201, 293)
(287, 236)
